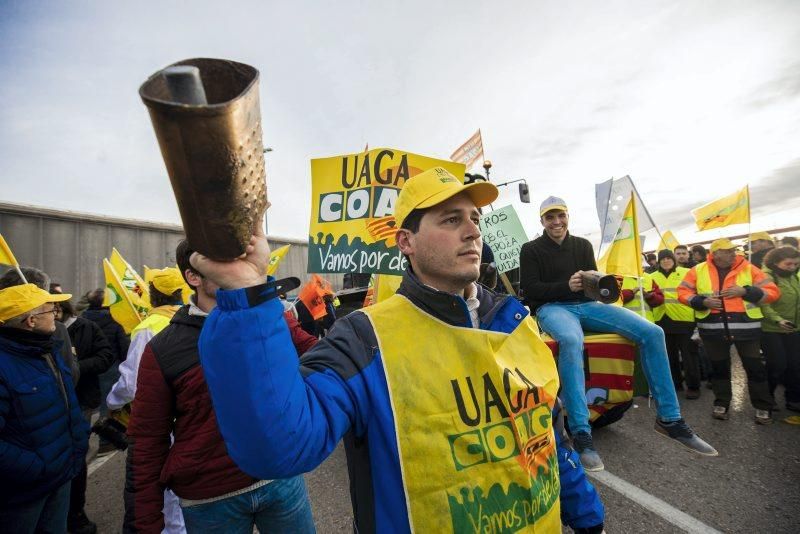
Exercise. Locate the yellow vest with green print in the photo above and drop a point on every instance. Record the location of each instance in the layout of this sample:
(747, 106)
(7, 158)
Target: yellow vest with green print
(473, 416)
(635, 304)
(672, 307)
(705, 289)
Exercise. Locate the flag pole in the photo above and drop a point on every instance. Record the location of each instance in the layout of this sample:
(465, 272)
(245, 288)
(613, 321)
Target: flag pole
(749, 226)
(637, 244)
(19, 272)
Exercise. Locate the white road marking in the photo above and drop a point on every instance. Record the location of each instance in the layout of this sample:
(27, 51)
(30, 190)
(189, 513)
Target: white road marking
(669, 513)
(98, 462)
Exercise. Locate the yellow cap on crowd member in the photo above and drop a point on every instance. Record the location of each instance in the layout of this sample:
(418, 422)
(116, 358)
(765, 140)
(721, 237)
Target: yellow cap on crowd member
(434, 186)
(17, 300)
(167, 280)
(722, 244)
(760, 236)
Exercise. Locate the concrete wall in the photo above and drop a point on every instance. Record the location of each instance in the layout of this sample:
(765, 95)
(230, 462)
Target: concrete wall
(70, 246)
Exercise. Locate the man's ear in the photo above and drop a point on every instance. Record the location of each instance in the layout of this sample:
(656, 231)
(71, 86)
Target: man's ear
(193, 279)
(405, 241)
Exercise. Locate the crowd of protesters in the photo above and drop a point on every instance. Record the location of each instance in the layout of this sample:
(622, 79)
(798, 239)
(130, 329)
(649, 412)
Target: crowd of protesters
(58, 367)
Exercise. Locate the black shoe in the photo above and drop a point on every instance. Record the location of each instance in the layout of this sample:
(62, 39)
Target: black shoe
(80, 524)
(692, 393)
(590, 460)
(683, 434)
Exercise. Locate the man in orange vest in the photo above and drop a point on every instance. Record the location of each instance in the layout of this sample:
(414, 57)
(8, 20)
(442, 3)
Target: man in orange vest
(725, 292)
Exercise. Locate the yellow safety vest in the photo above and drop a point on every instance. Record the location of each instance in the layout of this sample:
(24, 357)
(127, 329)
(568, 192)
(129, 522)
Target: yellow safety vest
(156, 321)
(473, 417)
(705, 289)
(635, 304)
(672, 307)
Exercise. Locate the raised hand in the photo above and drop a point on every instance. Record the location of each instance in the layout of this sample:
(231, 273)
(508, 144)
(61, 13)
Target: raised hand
(247, 270)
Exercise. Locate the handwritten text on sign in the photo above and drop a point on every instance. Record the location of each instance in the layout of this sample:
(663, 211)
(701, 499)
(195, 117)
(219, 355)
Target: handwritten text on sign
(504, 234)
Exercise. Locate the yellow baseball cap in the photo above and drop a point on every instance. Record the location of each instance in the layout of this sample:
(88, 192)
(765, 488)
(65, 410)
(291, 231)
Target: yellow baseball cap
(550, 204)
(433, 187)
(760, 236)
(16, 300)
(722, 244)
(167, 280)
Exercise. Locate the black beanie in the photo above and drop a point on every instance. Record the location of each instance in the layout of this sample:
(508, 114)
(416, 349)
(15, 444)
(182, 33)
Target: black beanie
(666, 253)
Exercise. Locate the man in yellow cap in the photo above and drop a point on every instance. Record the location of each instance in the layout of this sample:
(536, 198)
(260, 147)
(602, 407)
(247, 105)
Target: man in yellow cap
(444, 393)
(43, 437)
(725, 292)
(760, 244)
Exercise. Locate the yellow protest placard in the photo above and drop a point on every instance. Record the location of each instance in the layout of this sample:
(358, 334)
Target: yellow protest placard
(352, 205)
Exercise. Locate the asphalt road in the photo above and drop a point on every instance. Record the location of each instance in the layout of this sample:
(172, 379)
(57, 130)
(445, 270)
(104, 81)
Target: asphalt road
(753, 486)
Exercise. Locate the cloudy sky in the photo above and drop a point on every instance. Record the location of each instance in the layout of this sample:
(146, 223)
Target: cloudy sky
(692, 99)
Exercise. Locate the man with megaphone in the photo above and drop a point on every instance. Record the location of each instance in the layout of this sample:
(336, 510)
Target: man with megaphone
(558, 275)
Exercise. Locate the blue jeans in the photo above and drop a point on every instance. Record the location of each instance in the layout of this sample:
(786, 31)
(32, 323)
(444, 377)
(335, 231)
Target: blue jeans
(46, 514)
(565, 322)
(280, 506)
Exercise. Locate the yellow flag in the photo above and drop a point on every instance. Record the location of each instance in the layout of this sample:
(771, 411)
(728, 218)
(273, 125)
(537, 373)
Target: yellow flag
(6, 256)
(275, 259)
(732, 209)
(386, 286)
(668, 241)
(137, 288)
(624, 256)
(117, 298)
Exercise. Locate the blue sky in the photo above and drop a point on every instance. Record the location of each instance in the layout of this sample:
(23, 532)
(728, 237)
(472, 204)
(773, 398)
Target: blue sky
(692, 99)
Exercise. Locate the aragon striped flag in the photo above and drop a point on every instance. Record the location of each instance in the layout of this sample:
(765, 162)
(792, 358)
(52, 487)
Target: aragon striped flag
(730, 209)
(383, 228)
(470, 151)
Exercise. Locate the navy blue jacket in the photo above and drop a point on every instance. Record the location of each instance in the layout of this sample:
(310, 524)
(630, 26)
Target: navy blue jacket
(43, 436)
(280, 419)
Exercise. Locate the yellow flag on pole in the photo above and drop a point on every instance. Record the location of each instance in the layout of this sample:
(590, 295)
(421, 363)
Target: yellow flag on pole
(624, 256)
(6, 256)
(118, 300)
(668, 241)
(275, 259)
(133, 283)
(731, 209)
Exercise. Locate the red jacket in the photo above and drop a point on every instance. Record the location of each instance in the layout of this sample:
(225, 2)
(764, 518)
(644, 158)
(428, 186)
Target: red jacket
(172, 398)
(301, 339)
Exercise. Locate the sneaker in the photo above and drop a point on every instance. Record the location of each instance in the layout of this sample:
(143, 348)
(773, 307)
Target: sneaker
(720, 412)
(590, 460)
(683, 434)
(80, 524)
(692, 393)
(763, 417)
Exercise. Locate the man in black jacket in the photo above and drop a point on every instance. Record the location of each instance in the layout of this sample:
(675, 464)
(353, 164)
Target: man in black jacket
(119, 341)
(551, 269)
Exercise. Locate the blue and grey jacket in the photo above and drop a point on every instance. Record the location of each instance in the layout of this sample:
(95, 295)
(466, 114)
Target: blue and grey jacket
(280, 418)
(43, 436)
